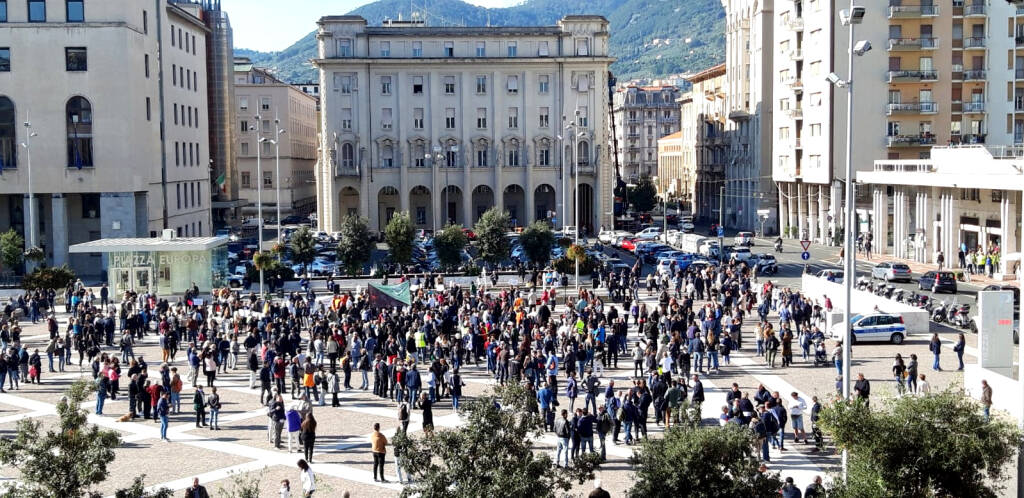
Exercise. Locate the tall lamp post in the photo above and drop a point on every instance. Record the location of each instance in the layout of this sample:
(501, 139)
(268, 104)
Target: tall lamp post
(277, 166)
(259, 194)
(27, 144)
(438, 157)
(574, 127)
(849, 17)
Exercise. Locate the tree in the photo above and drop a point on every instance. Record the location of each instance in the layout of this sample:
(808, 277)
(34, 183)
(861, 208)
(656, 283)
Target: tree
(537, 240)
(49, 277)
(303, 247)
(12, 249)
(399, 235)
(356, 244)
(68, 460)
(644, 194)
(920, 446)
(138, 490)
(449, 245)
(490, 231)
(491, 455)
(701, 462)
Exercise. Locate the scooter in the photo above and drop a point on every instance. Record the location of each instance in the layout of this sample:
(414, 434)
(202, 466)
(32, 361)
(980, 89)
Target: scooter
(939, 312)
(889, 291)
(898, 295)
(768, 269)
(863, 283)
(778, 247)
(960, 315)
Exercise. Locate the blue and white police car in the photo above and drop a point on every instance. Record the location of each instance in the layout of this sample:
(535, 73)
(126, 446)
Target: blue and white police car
(874, 327)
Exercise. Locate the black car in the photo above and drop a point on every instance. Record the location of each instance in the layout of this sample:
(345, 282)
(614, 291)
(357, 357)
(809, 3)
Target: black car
(938, 281)
(1011, 288)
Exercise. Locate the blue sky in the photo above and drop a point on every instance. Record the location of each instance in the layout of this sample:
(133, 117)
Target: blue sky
(270, 25)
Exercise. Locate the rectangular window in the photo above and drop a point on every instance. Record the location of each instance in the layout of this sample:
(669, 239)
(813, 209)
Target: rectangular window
(265, 103)
(245, 150)
(544, 157)
(188, 79)
(246, 176)
(481, 49)
(421, 215)
(265, 150)
(542, 49)
(36, 10)
(268, 179)
(345, 48)
(3, 10)
(75, 10)
(243, 103)
(544, 117)
(511, 49)
(175, 113)
(146, 62)
(513, 84)
(5, 59)
(582, 46)
(481, 158)
(481, 84)
(449, 49)
(481, 118)
(344, 84)
(582, 120)
(513, 117)
(346, 118)
(449, 118)
(75, 58)
(145, 22)
(149, 112)
(417, 49)
(266, 126)
(449, 85)
(543, 83)
(177, 155)
(174, 74)
(417, 85)
(385, 118)
(513, 156)
(417, 118)
(177, 191)
(385, 49)
(385, 85)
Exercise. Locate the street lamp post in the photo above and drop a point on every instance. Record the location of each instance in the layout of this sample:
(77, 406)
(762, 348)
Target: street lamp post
(259, 194)
(277, 166)
(574, 127)
(27, 144)
(721, 227)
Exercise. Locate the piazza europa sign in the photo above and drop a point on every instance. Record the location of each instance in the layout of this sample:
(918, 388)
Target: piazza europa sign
(130, 260)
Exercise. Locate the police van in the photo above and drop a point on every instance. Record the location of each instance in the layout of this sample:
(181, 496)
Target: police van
(876, 327)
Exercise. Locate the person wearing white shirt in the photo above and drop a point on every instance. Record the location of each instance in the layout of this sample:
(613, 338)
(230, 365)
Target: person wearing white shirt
(307, 478)
(666, 363)
(923, 388)
(797, 406)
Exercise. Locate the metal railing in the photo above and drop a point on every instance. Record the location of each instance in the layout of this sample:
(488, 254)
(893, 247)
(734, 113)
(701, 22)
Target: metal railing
(914, 74)
(974, 42)
(913, 43)
(905, 11)
(973, 107)
(912, 107)
(974, 9)
(974, 74)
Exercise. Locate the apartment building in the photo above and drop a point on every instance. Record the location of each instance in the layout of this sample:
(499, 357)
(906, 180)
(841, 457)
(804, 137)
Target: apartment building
(704, 144)
(749, 42)
(674, 181)
(96, 82)
(266, 105)
(643, 114)
(447, 122)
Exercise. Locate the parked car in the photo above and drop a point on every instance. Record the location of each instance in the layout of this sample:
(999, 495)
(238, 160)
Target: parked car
(609, 236)
(740, 254)
(237, 280)
(628, 244)
(686, 226)
(649, 233)
(874, 327)
(832, 275)
(891, 271)
(744, 239)
(938, 281)
(1011, 288)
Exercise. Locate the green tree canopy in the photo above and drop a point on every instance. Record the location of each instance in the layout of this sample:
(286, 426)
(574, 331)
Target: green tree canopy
(537, 240)
(644, 196)
(449, 244)
(12, 249)
(490, 231)
(67, 460)
(920, 446)
(399, 235)
(49, 277)
(356, 244)
(701, 462)
(491, 455)
(303, 247)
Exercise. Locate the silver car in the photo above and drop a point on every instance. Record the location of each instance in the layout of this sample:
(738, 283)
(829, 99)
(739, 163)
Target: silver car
(891, 271)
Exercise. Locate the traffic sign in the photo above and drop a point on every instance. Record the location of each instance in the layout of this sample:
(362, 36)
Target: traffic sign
(805, 244)
(721, 232)
(805, 255)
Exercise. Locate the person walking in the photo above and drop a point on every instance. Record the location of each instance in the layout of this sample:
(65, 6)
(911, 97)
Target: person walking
(912, 374)
(961, 345)
(797, 406)
(196, 490)
(277, 417)
(986, 399)
(163, 408)
(307, 478)
(199, 405)
(213, 402)
(378, 446)
(935, 346)
(563, 429)
(308, 435)
(862, 388)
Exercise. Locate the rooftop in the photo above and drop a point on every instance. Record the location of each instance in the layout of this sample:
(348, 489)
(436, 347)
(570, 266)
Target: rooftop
(706, 74)
(174, 244)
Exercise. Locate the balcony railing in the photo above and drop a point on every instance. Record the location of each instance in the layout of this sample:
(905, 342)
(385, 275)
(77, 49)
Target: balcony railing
(974, 42)
(1018, 104)
(974, 9)
(347, 171)
(927, 43)
(1019, 40)
(913, 75)
(796, 54)
(1020, 11)
(795, 112)
(912, 108)
(795, 23)
(911, 11)
(974, 74)
(796, 143)
(973, 138)
(974, 107)
(910, 140)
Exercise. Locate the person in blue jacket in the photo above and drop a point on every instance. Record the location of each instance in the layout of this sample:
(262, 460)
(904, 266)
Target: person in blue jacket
(547, 400)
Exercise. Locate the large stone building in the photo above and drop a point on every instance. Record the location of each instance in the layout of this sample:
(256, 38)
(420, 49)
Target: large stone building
(704, 142)
(675, 181)
(446, 122)
(265, 105)
(643, 114)
(111, 96)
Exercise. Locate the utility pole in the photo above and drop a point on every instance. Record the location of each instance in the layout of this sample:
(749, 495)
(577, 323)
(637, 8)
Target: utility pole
(721, 228)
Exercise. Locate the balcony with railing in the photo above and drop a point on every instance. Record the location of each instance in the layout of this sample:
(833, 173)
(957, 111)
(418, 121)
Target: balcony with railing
(795, 112)
(585, 167)
(913, 75)
(795, 23)
(974, 75)
(912, 11)
(973, 107)
(1020, 11)
(796, 54)
(346, 170)
(910, 140)
(1018, 103)
(974, 9)
(796, 143)
(903, 44)
(974, 42)
(911, 108)
(794, 82)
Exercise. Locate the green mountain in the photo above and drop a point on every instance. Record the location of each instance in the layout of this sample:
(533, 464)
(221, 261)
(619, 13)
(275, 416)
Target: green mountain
(650, 38)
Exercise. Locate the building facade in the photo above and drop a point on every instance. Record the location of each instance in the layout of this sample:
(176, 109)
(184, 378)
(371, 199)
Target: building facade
(643, 114)
(749, 36)
(264, 106)
(704, 143)
(446, 122)
(97, 81)
(674, 180)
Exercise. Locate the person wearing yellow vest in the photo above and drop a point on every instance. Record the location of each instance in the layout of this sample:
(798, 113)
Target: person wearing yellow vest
(421, 346)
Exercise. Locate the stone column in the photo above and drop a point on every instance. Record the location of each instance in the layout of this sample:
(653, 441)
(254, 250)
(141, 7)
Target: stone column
(790, 212)
(530, 208)
(822, 217)
(783, 217)
(59, 247)
(1008, 225)
(812, 214)
(800, 210)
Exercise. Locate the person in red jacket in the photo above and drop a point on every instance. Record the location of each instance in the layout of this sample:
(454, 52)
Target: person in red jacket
(155, 391)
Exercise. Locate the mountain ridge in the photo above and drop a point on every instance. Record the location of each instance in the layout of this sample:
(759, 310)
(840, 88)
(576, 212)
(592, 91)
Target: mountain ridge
(649, 38)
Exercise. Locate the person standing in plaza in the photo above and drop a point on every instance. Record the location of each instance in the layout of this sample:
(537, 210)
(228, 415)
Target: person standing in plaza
(307, 479)
(862, 388)
(213, 401)
(308, 433)
(163, 408)
(986, 399)
(199, 405)
(961, 345)
(378, 446)
(935, 346)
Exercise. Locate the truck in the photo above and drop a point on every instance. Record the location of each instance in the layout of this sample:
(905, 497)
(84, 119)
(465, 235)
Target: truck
(691, 242)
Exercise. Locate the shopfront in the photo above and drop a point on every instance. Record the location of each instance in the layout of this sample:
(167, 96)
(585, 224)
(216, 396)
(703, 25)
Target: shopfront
(166, 266)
